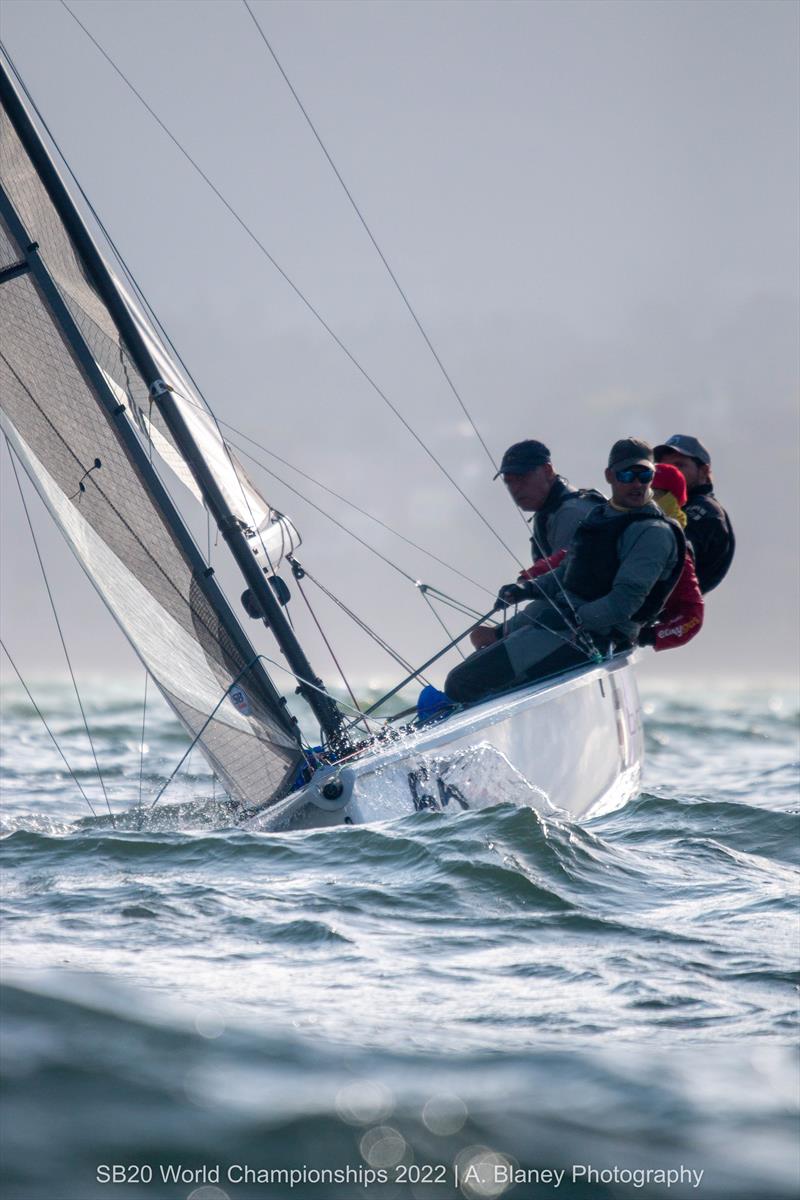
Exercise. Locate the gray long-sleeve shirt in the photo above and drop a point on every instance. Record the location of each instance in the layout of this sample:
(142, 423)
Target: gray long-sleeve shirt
(551, 531)
(647, 554)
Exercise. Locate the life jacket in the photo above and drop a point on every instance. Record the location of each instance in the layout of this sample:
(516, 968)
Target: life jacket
(709, 529)
(560, 493)
(594, 558)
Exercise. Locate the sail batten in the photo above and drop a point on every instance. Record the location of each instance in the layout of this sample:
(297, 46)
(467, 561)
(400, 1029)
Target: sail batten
(60, 350)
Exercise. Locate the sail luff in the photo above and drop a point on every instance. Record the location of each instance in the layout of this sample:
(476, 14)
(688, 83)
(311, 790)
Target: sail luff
(322, 705)
(62, 414)
(127, 435)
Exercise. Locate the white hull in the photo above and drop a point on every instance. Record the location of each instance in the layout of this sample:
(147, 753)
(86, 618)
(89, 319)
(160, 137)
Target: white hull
(573, 744)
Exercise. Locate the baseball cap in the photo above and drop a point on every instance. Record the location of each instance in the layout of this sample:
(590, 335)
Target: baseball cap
(522, 457)
(627, 452)
(684, 444)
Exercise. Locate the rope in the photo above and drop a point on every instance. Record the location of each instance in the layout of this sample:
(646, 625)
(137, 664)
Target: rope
(290, 282)
(58, 626)
(75, 779)
(371, 237)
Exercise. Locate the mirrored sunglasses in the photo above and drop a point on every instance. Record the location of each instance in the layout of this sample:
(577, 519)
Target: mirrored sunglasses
(628, 474)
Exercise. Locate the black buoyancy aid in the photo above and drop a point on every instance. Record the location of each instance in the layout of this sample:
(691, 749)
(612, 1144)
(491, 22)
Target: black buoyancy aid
(709, 529)
(560, 493)
(594, 559)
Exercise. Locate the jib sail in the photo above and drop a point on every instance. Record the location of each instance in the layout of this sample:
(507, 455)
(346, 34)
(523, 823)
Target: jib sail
(71, 397)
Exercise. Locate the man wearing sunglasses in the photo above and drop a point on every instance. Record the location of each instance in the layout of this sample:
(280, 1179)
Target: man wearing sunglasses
(708, 526)
(624, 561)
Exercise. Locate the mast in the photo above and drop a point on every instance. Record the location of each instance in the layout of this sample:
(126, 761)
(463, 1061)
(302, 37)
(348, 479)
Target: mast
(309, 685)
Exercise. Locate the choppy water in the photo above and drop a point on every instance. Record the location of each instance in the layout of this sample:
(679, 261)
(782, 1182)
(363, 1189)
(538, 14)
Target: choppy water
(489, 992)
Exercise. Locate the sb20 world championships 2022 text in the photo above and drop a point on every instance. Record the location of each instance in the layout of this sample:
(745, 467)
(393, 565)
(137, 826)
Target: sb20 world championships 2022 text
(494, 1170)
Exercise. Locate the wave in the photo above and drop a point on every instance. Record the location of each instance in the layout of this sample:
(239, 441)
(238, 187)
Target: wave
(116, 1080)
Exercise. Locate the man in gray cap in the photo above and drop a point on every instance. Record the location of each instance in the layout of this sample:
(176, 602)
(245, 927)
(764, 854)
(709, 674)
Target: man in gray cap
(624, 560)
(708, 526)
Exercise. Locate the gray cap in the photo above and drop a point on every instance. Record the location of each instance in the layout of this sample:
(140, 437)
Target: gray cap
(627, 452)
(523, 457)
(682, 443)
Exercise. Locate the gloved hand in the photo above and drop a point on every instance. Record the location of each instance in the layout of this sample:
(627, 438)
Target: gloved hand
(514, 593)
(647, 636)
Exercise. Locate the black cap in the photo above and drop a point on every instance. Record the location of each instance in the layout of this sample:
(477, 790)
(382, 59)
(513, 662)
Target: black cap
(683, 443)
(627, 452)
(522, 457)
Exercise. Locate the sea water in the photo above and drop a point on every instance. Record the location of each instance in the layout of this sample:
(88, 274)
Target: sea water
(495, 1003)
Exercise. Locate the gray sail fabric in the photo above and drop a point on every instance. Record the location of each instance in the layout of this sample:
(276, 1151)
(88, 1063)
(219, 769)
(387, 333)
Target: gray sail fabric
(132, 547)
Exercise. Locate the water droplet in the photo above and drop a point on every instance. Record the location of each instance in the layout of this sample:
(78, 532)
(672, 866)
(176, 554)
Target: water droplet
(209, 1025)
(382, 1147)
(444, 1114)
(481, 1172)
(364, 1102)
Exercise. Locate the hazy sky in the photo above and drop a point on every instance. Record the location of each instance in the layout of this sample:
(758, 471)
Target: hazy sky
(593, 208)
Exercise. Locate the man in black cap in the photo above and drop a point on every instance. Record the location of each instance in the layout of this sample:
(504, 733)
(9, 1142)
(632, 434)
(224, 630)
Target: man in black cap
(708, 526)
(624, 560)
(558, 508)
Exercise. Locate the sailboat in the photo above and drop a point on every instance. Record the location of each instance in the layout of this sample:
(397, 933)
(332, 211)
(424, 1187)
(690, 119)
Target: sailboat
(99, 413)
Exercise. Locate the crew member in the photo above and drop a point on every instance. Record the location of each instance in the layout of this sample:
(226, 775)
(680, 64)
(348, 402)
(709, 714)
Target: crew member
(557, 507)
(624, 561)
(708, 525)
(682, 615)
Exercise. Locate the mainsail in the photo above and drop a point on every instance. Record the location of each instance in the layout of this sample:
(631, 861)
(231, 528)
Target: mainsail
(71, 397)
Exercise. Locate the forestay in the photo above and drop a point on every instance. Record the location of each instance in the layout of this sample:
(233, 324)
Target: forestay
(68, 388)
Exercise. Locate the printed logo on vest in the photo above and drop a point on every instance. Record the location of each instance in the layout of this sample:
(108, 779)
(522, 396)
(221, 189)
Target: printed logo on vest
(241, 701)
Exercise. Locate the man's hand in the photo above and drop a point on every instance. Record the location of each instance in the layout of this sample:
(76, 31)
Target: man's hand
(484, 635)
(514, 593)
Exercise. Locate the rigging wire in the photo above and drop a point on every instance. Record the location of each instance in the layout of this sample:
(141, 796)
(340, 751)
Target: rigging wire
(379, 251)
(337, 496)
(75, 779)
(449, 601)
(129, 274)
(294, 287)
(576, 628)
(361, 717)
(324, 637)
(210, 411)
(163, 574)
(58, 626)
(384, 645)
(441, 620)
(372, 238)
(141, 744)
(205, 406)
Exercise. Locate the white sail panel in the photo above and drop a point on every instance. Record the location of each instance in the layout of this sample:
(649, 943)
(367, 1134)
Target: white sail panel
(276, 535)
(61, 417)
